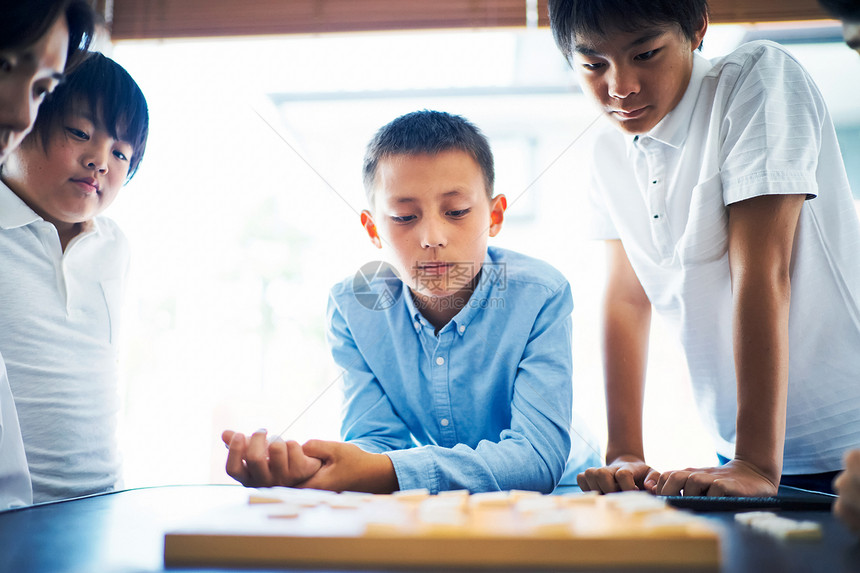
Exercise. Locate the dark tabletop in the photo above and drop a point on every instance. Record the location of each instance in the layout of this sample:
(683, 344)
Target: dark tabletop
(124, 532)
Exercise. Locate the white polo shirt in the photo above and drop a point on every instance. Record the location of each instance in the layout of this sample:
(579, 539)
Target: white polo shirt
(751, 123)
(15, 488)
(58, 331)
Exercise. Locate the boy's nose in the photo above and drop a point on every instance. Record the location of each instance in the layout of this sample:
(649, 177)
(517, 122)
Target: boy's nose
(96, 159)
(622, 82)
(433, 234)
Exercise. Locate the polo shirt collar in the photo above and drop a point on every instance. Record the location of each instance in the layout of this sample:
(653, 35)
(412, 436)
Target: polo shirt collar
(460, 322)
(672, 129)
(14, 212)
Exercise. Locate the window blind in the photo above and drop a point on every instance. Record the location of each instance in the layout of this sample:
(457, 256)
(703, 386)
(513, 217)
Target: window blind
(139, 19)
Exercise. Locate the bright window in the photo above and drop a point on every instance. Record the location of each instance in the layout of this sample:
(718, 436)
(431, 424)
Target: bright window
(245, 212)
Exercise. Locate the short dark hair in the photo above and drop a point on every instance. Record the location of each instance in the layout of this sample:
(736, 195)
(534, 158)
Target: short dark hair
(571, 18)
(848, 10)
(428, 132)
(112, 96)
(24, 22)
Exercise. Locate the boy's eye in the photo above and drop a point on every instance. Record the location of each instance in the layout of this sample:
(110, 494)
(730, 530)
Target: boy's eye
(592, 67)
(402, 219)
(647, 55)
(78, 133)
(5, 65)
(120, 155)
(458, 213)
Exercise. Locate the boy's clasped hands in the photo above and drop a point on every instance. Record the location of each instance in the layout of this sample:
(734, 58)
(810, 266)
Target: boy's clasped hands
(253, 461)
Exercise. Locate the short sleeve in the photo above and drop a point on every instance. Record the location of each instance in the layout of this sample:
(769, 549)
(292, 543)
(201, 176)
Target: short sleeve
(771, 126)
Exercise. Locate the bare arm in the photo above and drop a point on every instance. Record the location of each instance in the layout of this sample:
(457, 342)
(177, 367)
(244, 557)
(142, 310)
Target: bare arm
(626, 327)
(761, 239)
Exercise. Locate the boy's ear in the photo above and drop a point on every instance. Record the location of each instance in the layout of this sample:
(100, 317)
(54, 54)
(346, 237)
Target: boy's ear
(700, 34)
(498, 204)
(370, 228)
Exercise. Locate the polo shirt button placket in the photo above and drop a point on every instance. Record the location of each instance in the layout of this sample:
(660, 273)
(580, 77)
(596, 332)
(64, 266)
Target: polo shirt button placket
(657, 204)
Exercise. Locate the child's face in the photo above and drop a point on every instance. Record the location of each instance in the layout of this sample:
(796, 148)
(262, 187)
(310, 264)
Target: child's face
(26, 76)
(434, 214)
(636, 77)
(76, 176)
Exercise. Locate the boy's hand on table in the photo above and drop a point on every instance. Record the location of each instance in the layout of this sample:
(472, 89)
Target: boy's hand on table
(254, 462)
(847, 485)
(625, 473)
(346, 467)
(736, 478)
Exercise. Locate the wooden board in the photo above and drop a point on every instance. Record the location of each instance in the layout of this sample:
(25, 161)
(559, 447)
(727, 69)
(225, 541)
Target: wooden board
(283, 527)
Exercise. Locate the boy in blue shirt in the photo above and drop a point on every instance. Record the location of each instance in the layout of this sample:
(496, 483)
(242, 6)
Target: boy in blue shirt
(457, 363)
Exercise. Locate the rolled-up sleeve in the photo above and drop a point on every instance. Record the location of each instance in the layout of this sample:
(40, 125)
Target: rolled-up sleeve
(369, 420)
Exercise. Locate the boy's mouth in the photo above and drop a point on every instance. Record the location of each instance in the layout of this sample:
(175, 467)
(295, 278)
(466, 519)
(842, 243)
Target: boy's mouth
(433, 268)
(632, 114)
(87, 184)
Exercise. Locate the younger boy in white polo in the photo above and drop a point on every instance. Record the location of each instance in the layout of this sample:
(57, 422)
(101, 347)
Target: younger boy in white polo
(63, 269)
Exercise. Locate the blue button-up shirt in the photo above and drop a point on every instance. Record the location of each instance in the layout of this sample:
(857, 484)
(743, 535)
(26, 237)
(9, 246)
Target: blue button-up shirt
(485, 403)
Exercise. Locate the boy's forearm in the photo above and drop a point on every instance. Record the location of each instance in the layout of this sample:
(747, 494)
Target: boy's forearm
(356, 470)
(626, 328)
(761, 238)
(625, 357)
(380, 476)
(761, 363)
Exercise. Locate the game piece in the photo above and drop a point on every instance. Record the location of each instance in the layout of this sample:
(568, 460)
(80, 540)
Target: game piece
(781, 527)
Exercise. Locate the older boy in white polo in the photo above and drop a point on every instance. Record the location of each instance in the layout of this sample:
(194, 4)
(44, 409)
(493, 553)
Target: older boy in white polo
(723, 198)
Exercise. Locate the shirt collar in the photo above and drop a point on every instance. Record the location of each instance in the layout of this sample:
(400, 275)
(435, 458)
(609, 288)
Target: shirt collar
(672, 129)
(475, 304)
(15, 213)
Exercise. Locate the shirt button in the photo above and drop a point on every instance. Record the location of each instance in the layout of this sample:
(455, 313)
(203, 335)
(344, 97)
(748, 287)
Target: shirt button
(417, 325)
(462, 328)
(440, 361)
(444, 421)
